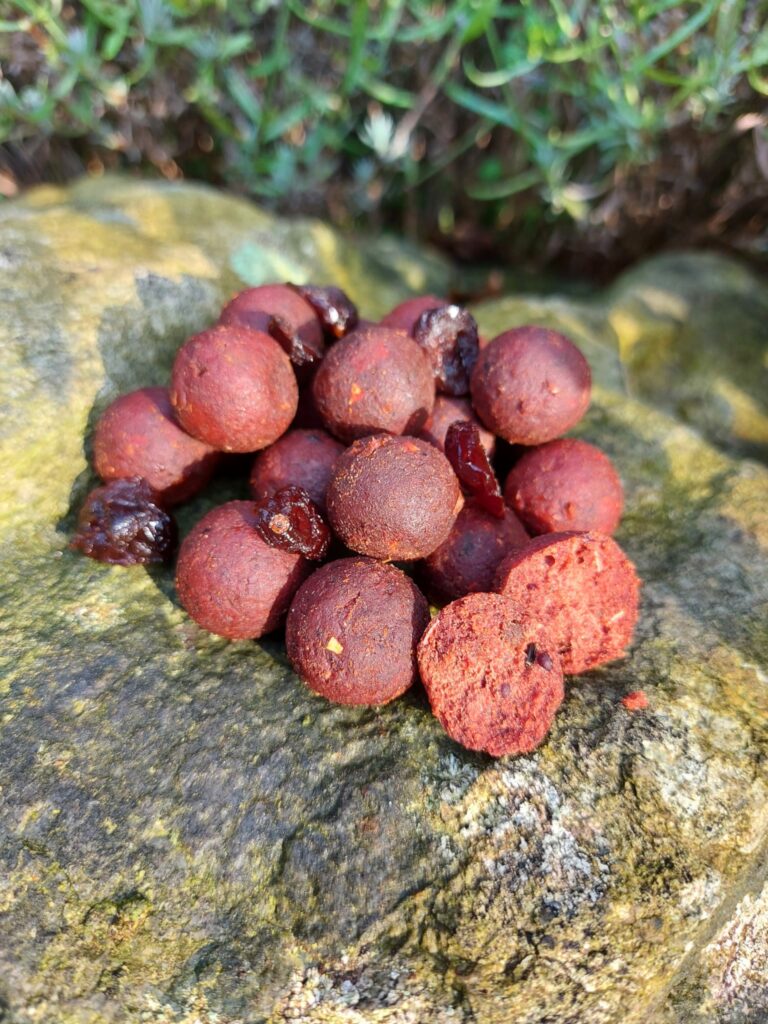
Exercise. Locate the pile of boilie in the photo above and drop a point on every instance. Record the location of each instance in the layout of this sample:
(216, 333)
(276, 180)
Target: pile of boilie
(374, 446)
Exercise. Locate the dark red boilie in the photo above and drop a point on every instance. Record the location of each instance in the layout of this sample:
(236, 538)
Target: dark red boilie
(404, 316)
(466, 454)
(291, 521)
(467, 561)
(123, 523)
(530, 385)
(373, 380)
(233, 388)
(448, 335)
(230, 581)
(335, 310)
(449, 410)
(583, 586)
(494, 679)
(393, 497)
(254, 308)
(304, 458)
(352, 631)
(566, 485)
(137, 436)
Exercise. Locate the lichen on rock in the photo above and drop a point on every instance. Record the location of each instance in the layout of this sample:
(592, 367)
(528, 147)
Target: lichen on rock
(189, 835)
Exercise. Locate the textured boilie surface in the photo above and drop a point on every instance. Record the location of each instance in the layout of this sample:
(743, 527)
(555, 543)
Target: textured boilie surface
(123, 524)
(137, 435)
(583, 586)
(230, 581)
(493, 678)
(404, 316)
(447, 410)
(234, 388)
(530, 385)
(254, 308)
(393, 497)
(375, 379)
(468, 559)
(352, 631)
(566, 485)
(303, 458)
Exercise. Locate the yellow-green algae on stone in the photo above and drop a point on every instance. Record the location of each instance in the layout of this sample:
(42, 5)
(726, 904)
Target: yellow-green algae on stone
(187, 835)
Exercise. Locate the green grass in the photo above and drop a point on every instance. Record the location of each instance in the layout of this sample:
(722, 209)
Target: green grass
(424, 115)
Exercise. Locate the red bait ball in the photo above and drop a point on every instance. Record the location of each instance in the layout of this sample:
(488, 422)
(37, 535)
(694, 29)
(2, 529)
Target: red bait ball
(583, 587)
(304, 458)
(254, 308)
(449, 410)
(404, 316)
(234, 388)
(123, 523)
(448, 335)
(465, 452)
(137, 436)
(394, 498)
(335, 310)
(373, 380)
(352, 631)
(566, 485)
(292, 522)
(530, 385)
(494, 680)
(230, 581)
(467, 561)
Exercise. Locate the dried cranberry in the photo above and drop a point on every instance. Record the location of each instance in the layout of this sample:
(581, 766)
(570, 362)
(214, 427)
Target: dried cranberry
(291, 521)
(448, 335)
(464, 450)
(300, 351)
(123, 523)
(335, 310)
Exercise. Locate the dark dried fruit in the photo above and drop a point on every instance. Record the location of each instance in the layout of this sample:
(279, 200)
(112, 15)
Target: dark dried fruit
(464, 450)
(335, 310)
(123, 524)
(292, 522)
(448, 335)
(299, 350)
(543, 660)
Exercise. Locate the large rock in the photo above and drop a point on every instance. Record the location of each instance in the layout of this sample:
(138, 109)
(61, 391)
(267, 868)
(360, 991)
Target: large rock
(189, 836)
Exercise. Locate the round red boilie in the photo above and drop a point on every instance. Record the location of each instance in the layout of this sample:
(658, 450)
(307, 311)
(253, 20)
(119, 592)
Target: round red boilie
(255, 307)
(233, 388)
(230, 581)
(301, 458)
(394, 498)
(494, 679)
(468, 559)
(530, 385)
(373, 380)
(404, 316)
(137, 435)
(583, 586)
(352, 631)
(566, 485)
(448, 410)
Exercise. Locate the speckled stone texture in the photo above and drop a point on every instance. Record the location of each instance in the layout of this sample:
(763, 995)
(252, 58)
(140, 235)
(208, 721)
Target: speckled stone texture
(187, 836)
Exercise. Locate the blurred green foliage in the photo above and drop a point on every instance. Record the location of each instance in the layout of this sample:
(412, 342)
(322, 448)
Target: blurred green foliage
(427, 114)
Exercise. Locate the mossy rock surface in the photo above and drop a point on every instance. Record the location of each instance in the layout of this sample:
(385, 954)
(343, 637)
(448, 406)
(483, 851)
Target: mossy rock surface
(187, 835)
